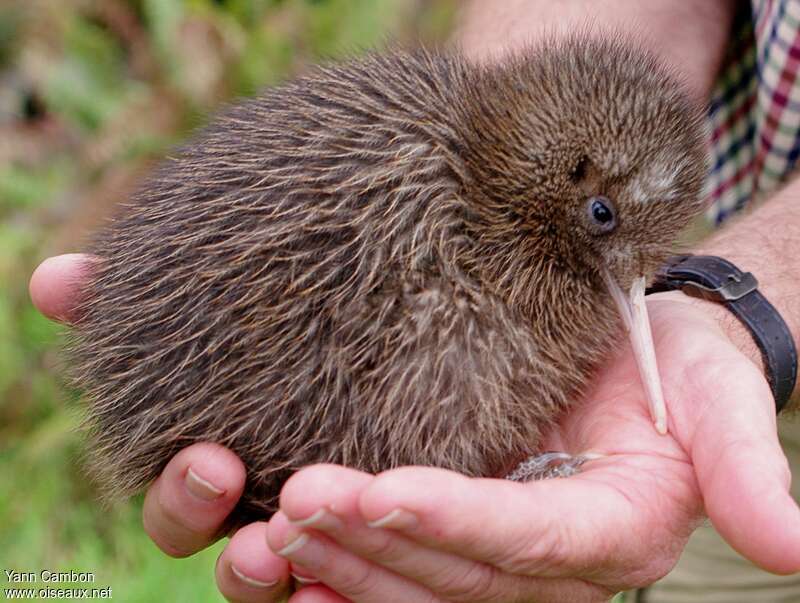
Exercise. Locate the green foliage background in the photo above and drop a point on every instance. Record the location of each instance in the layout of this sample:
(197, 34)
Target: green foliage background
(91, 94)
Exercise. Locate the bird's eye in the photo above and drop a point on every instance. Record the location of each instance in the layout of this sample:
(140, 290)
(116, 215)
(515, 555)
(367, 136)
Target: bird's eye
(602, 216)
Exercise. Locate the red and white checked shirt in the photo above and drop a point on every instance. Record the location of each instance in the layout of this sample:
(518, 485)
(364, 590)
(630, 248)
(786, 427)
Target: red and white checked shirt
(755, 108)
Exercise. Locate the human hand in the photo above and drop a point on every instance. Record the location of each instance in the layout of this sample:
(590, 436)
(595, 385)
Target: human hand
(619, 524)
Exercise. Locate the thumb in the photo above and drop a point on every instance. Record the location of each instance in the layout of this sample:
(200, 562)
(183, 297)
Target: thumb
(742, 471)
(55, 285)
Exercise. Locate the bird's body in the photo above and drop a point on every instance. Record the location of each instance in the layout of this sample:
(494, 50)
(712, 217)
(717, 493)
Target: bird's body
(372, 266)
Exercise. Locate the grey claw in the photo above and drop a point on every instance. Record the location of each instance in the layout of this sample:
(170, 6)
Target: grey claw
(549, 464)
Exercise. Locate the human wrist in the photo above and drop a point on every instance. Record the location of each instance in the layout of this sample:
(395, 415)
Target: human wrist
(721, 318)
(763, 242)
(719, 280)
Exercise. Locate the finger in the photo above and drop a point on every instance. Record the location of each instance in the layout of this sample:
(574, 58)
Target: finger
(317, 594)
(187, 505)
(309, 498)
(553, 528)
(742, 471)
(351, 576)
(248, 572)
(55, 285)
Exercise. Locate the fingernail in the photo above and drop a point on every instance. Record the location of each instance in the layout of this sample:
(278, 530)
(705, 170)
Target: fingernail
(252, 582)
(303, 580)
(202, 489)
(305, 551)
(321, 520)
(293, 543)
(399, 519)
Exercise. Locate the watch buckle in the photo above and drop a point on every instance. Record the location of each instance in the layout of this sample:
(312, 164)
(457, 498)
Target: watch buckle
(734, 288)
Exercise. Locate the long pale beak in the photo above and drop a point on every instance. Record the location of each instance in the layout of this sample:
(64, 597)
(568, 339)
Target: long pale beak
(634, 314)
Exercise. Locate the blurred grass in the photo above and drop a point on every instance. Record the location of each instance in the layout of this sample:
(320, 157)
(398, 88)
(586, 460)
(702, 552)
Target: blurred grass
(91, 94)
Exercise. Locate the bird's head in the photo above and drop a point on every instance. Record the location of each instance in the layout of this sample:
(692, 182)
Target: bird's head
(590, 148)
(589, 159)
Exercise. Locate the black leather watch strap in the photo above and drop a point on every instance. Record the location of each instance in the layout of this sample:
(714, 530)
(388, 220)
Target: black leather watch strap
(717, 279)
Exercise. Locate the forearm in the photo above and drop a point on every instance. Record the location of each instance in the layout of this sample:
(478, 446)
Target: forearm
(690, 35)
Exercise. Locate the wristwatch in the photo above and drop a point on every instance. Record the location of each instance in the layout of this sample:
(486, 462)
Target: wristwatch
(716, 279)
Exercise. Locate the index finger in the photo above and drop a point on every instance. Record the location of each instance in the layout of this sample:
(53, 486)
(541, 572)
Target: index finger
(594, 525)
(56, 283)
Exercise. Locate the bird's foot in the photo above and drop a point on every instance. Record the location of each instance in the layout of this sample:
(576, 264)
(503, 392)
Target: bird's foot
(549, 464)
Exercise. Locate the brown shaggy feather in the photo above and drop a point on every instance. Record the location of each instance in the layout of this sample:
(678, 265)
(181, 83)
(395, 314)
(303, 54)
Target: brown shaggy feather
(385, 262)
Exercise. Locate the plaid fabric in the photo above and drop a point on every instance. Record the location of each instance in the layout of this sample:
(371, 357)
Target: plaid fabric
(754, 114)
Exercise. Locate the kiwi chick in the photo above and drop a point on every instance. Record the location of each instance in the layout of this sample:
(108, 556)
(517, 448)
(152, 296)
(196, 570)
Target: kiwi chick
(398, 260)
